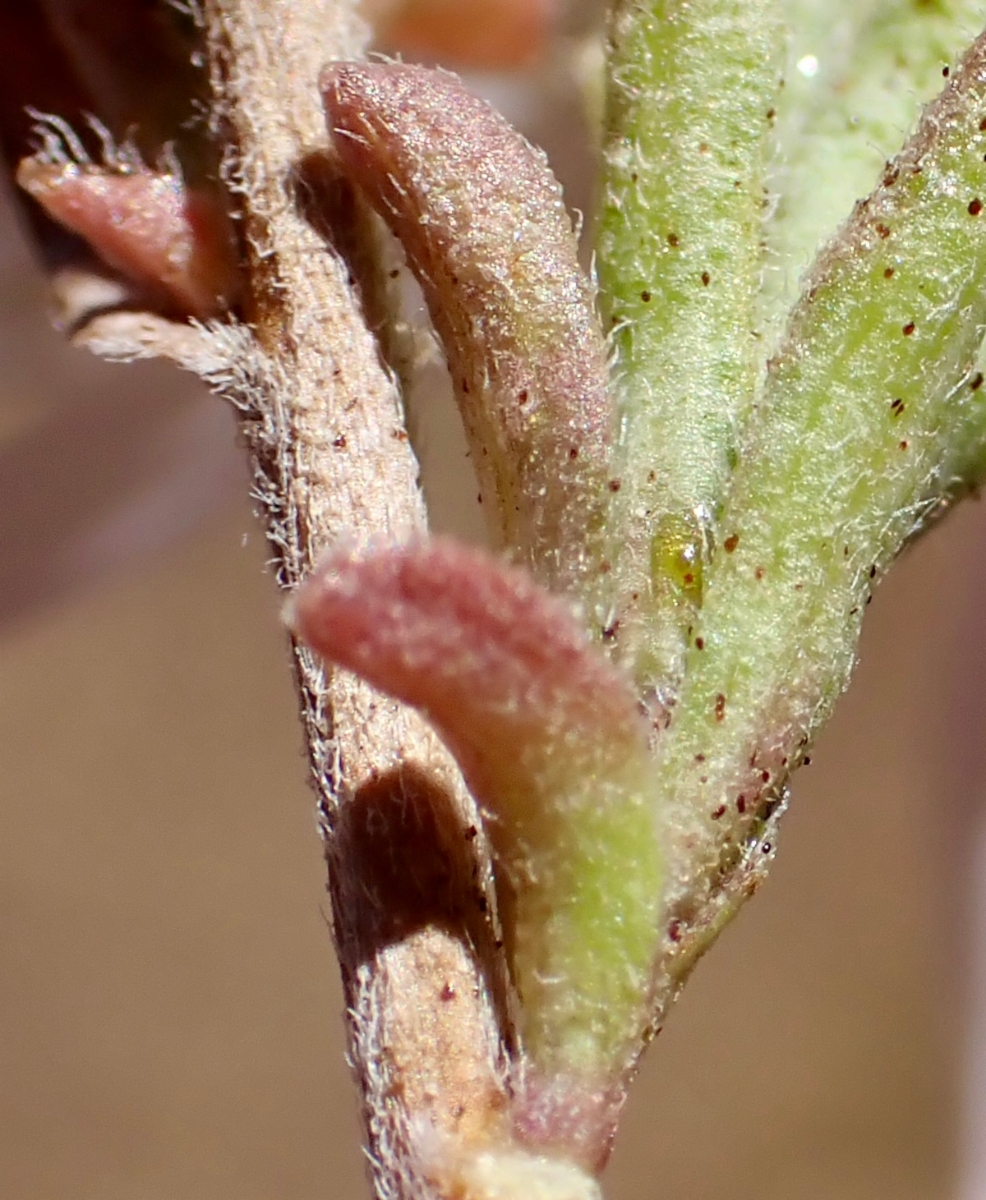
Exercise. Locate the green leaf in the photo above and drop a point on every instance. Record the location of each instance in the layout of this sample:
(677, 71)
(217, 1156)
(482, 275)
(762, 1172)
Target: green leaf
(551, 741)
(692, 94)
(864, 411)
(858, 73)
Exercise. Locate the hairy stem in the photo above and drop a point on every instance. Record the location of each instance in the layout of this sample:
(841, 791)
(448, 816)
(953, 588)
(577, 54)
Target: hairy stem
(326, 432)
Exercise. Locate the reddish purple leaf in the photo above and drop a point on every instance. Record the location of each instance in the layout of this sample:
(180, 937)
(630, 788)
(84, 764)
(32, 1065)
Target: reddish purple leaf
(146, 225)
(485, 230)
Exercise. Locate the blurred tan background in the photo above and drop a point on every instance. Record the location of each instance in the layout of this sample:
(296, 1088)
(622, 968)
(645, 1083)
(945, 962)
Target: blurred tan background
(170, 1021)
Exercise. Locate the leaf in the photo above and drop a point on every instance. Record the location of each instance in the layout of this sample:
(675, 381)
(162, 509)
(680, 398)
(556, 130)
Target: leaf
(485, 230)
(865, 407)
(174, 241)
(552, 743)
(692, 94)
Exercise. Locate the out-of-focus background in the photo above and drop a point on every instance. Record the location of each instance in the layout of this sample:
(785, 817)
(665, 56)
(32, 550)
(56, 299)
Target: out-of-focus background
(170, 1016)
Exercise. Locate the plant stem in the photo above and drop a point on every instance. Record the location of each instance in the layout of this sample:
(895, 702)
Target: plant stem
(326, 434)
